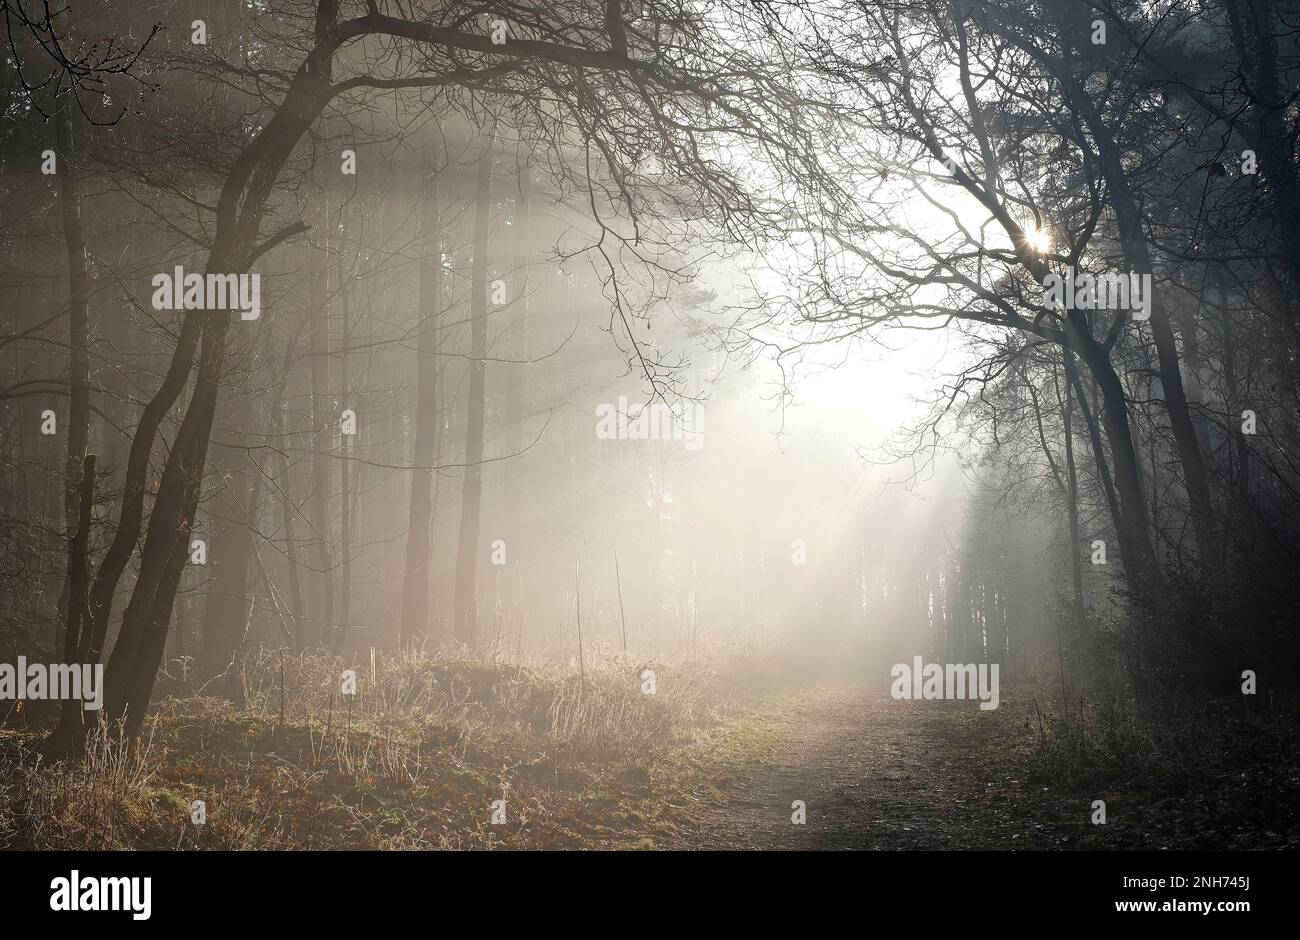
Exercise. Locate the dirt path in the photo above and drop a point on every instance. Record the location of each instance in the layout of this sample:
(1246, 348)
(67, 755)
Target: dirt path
(875, 773)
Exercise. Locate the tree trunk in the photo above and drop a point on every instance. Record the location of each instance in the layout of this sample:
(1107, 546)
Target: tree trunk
(1072, 496)
(288, 507)
(325, 421)
(516, 381)
(471, 495)
(72, 716)
(230, 549)
(140, 643)
(415, 584)
(1133, 242)
(1129, 508)
(138, 652)
(343, 633)
(78, 323)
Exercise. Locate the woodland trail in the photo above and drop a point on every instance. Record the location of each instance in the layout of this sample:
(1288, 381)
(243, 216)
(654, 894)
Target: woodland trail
(876, 773)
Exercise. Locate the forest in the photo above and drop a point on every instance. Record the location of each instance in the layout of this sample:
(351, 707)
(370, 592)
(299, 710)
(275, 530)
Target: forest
(649, 424)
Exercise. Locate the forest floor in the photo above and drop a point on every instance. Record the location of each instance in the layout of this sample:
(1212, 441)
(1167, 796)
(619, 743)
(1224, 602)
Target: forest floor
(598, 765)
(874, 773)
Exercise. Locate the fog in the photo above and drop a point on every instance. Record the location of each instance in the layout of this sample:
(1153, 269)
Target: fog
(741, 507)
(648, 424)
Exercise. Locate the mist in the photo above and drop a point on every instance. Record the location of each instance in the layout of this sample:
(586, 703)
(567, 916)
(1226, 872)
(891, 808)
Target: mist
(647, 425)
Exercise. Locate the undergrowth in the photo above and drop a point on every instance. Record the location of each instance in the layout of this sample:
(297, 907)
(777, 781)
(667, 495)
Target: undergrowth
(416, 758)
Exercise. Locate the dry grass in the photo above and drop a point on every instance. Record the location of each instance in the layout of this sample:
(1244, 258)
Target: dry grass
(414, 760)
(105, 801)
